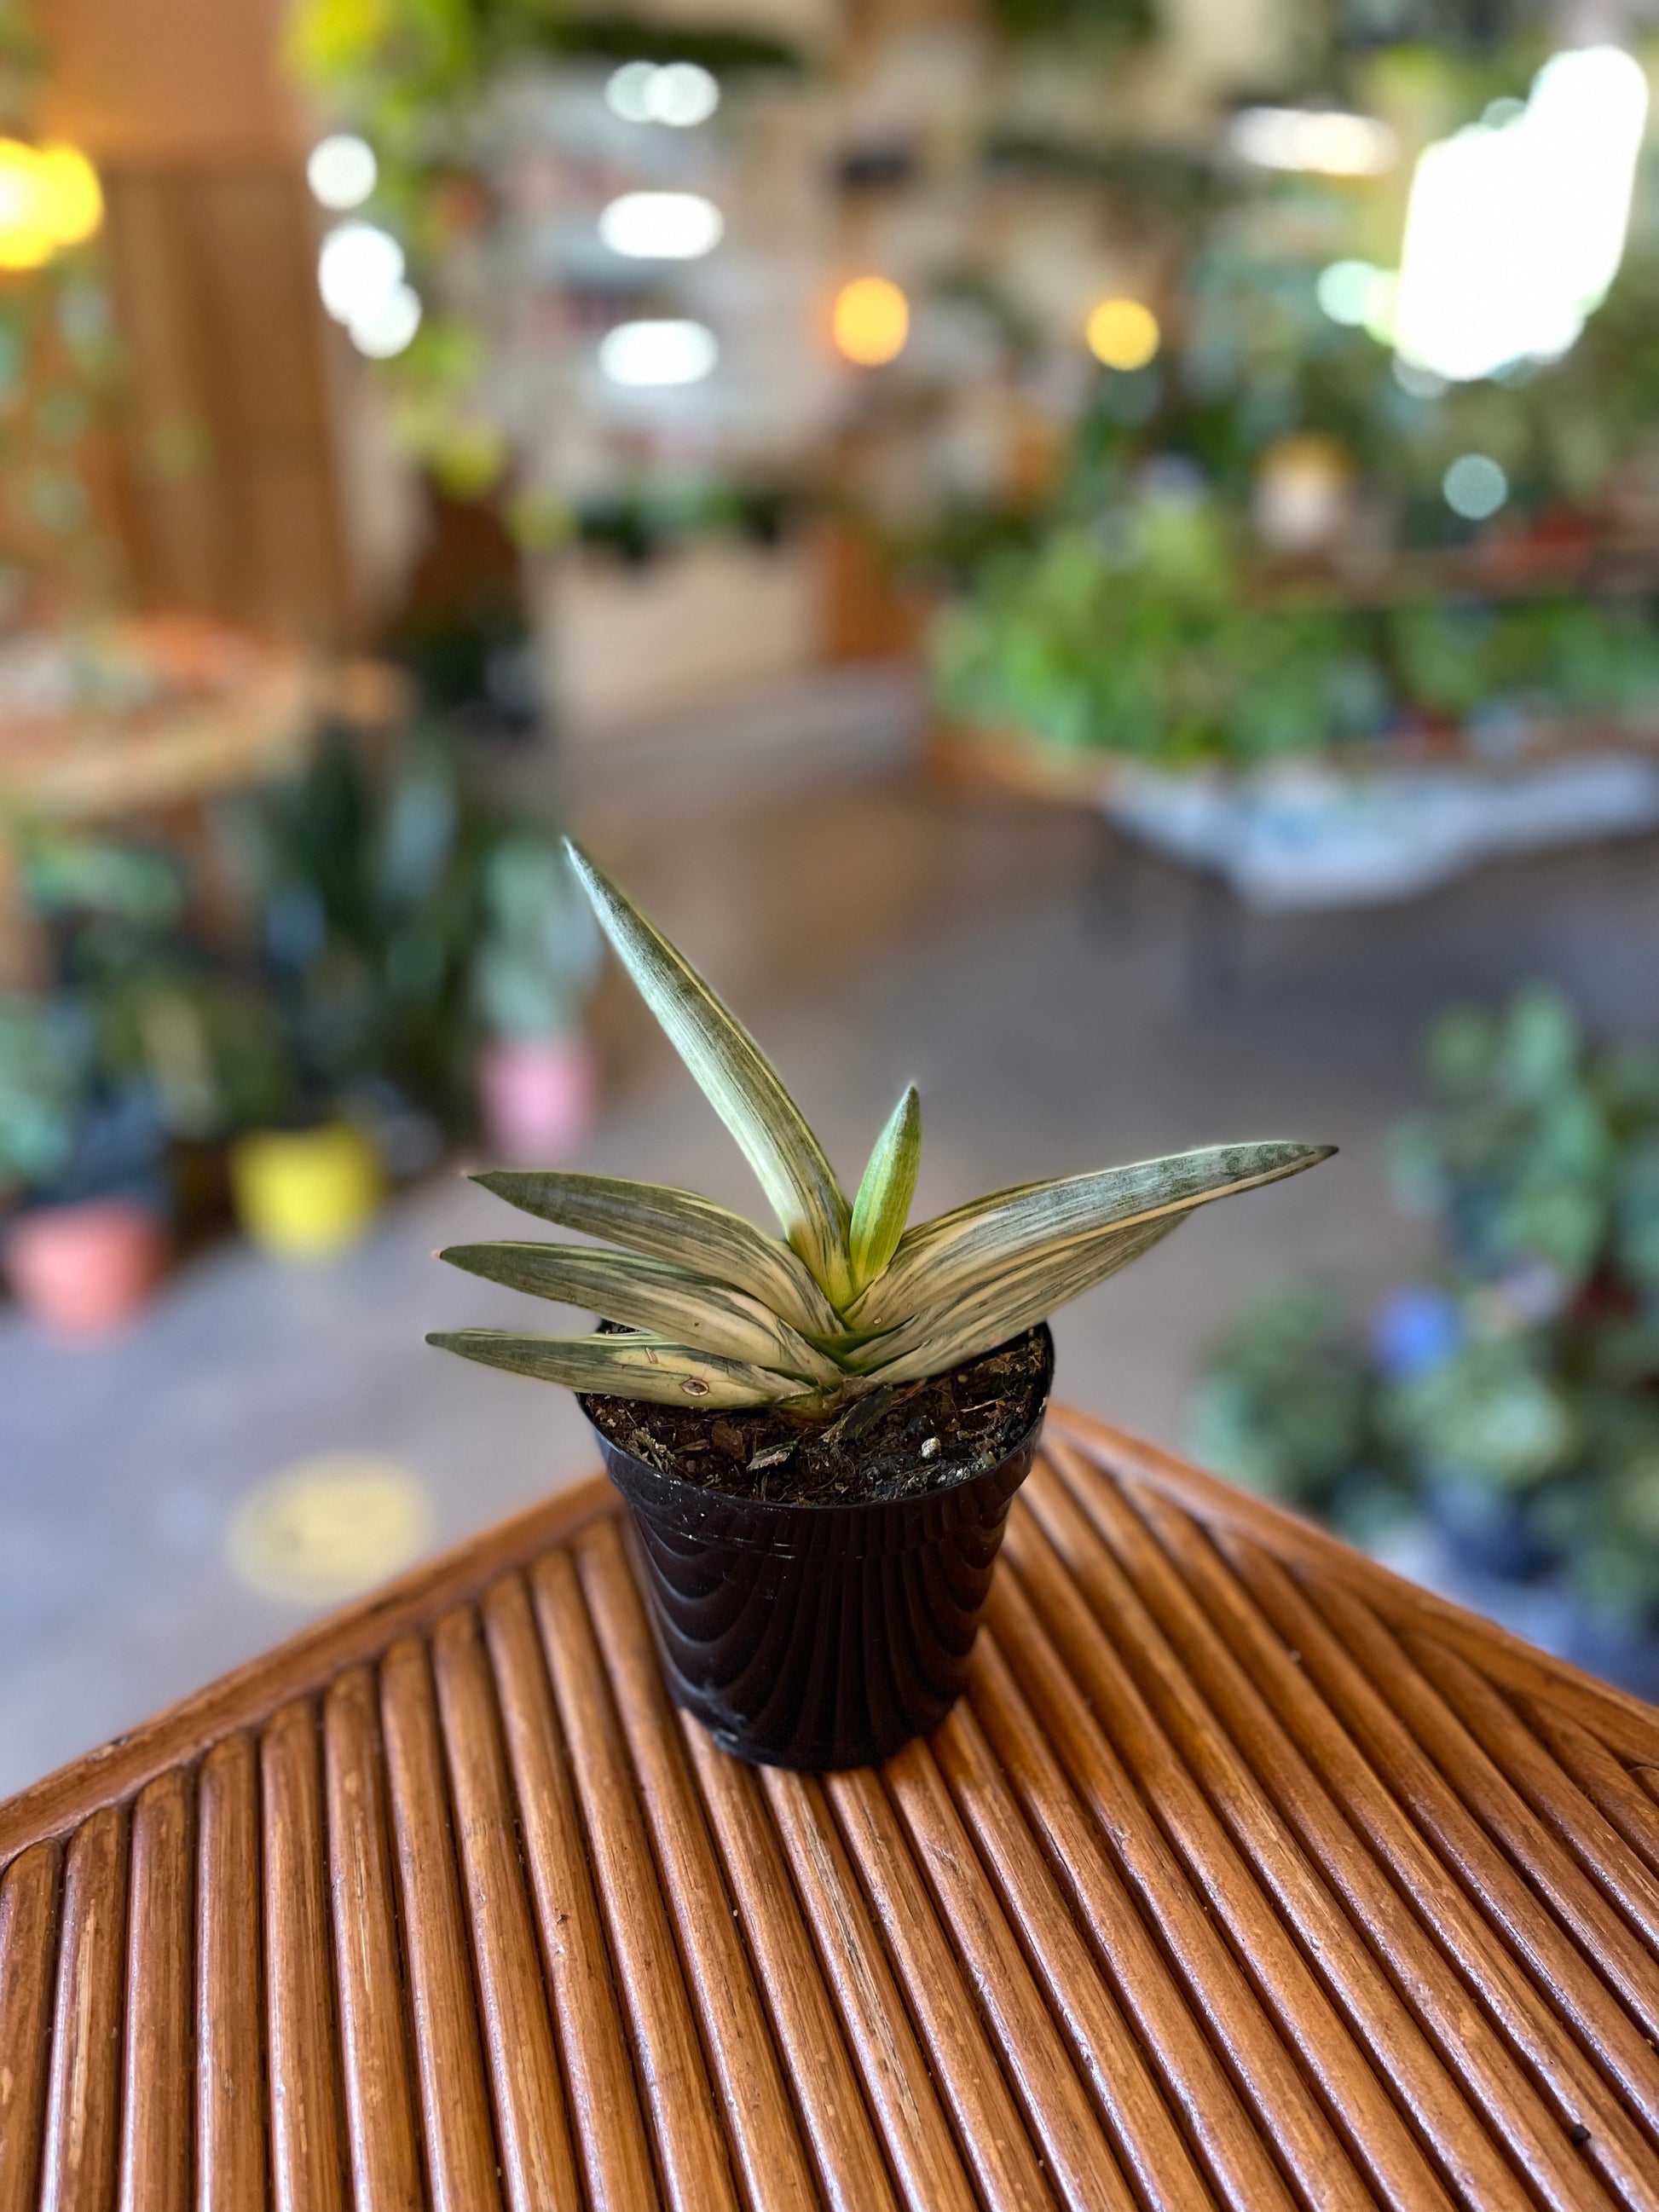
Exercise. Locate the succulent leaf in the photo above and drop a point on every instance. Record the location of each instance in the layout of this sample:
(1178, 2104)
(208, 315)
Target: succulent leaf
(628, 1366)
(650, 1295)
(882, 1205)
(740, 1083)
(680, 1226)
(1007, 1305)
(947, 1256)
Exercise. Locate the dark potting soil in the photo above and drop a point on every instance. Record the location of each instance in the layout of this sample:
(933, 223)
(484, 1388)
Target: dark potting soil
(895, 1442)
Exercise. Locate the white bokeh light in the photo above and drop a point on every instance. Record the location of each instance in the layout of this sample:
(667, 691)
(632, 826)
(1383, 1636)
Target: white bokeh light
(359, 268)
(679, 94)
(1474, 486)
(1326, 142)
(342, 171)
(1516, 226)
(662, 226)
(668, 352)
(385, 330)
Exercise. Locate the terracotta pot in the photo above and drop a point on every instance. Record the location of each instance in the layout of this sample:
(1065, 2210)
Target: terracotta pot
(819, 1637)
(538, 1101)
(85, 1269)
(305, 1195)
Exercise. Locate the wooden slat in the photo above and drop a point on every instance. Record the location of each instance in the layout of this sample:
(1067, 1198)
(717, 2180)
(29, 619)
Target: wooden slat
(691, 2146)
(1232, 2011)
(1607, 1784)
(248, 1696)
(770, 2158)
(83, 2106)
(1548, 1865)
(852, 2172)
(1380, 2142)
(29, 1961)
(307, 2129)
(232, 2174)
(537, 2166)
(1631, 1726)
(386, 2162)
(460, 2143)
(1571, 1997)
(156, 2120)
(1103, 2046)
(1554, 1796)
(1081, 2167)
(1438, 1990)
(1193, 2043)
(1244, 1877)
(993, 2141)
(925, 2158)
(605, 2105)
(1579, 2099)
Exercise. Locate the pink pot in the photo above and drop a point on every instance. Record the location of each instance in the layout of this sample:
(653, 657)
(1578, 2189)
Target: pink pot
(83, 1270)
(537, 1103)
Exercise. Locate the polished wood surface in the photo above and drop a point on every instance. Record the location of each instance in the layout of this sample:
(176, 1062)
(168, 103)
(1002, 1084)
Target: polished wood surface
(1245, 1876)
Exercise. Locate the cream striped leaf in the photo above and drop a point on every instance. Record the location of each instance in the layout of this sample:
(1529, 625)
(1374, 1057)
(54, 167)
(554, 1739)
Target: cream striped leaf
(1006, 1305)
(680, 1226)
(740, 1083)
(941, 1259)
(650, 1295)
(625, 1367)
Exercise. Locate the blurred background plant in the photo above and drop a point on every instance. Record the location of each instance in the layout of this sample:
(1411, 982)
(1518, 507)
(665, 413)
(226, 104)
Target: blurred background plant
(1512, 1398)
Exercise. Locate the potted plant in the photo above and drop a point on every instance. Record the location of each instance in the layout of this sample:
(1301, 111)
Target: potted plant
(537, 1072)
(88, 1241)
(818, 1436)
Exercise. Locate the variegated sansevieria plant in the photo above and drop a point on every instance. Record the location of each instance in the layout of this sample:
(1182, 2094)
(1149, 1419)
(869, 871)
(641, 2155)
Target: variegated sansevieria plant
(719, 1314)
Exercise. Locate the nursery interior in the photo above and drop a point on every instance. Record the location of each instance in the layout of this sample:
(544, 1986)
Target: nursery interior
(1100, 556)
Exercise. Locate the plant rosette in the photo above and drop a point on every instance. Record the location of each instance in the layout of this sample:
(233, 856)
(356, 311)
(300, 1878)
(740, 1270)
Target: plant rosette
(818, 1436)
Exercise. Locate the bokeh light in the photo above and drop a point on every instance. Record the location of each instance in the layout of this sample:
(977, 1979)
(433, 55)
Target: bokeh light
(665, 352)
(1122, 334)
(342, 171)
(662, 226)
(1323, 141)
(870, 321)
(50, 199)
(682, 95)
(1474, 486)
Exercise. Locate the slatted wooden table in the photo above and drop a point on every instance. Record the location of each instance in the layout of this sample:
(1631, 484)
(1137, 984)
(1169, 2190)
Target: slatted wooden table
(1246, 1876)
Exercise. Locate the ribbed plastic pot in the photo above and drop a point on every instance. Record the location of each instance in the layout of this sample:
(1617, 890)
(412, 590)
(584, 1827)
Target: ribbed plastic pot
(819, 1637)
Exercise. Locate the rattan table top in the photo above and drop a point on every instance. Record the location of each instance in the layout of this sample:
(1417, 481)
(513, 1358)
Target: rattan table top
(1246, 1874)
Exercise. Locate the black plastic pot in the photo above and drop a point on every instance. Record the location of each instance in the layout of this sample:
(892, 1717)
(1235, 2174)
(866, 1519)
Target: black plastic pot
(819, 1637)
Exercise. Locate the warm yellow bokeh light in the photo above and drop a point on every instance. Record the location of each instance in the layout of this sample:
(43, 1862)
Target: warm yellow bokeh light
(1122, 334)
(871, 321)
(49, 198)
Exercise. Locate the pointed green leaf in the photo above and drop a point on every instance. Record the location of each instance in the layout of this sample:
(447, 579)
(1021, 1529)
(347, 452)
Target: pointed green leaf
(739, 1082)
(1007, 1305)
(649, 1295)
(945, 1257)
(678, 1225)
(624, 1366)
(882, 1205)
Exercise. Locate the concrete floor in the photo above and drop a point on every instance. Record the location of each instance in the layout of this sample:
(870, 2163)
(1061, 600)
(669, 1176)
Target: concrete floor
(871, 930)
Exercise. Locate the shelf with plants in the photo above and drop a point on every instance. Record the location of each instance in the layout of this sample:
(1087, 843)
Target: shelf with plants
(1279, 551)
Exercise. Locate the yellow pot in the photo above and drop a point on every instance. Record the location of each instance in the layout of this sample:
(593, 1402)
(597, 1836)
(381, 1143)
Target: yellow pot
(305, 1195)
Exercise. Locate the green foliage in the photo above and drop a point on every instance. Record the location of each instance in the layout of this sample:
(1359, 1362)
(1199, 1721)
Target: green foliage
(1135, 635)
(1528, 1378)
(45, 1082)
(852, 1302)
